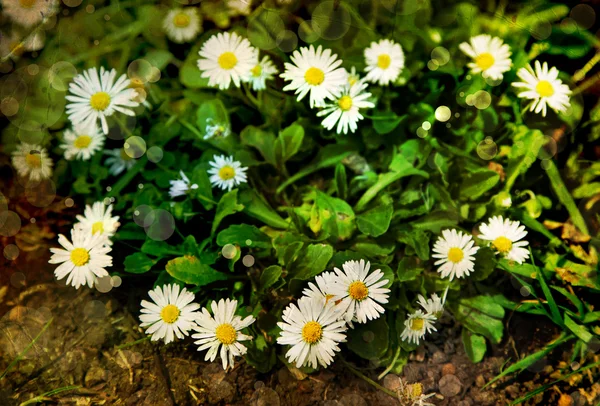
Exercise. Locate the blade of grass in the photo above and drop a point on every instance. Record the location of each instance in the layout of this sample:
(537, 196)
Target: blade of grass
(369, 380)
(556, 317)
(44, 396)
(565, 197)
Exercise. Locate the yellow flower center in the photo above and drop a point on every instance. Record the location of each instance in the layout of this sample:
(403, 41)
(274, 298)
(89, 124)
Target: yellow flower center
(27, 3)
(227, 60)
(345, 103)
(169, 313)
(383, 61)
(484, 61)
(256, 71)
(544, 88)
(502, 244)
(226, 172)
(33, 160)
(100, 101)
(358, 290)
(83, 141)
(314, 76)
(80, 256)
(312, 332)
(226, 334)
(98, 227)
(455, 254)
(181, 20)
(417, 324)
(416, 390)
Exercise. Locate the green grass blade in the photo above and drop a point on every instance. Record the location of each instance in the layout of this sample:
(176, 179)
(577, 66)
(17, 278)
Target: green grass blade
(44, 396)
(556, 317)
(565, 197)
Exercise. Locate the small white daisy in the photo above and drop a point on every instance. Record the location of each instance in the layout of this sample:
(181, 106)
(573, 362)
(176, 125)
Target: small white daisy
(359, 291)
(315, 71)
(385, 61)
(543, 87)
(98, 219)
(227, 57)
(353, 77)
(171, 313)
(433, 305)
(32, 160)
(222, 331)
(313, 330)
(505, 235)
(491, 57)
(95, 96)
(28, 13)
(454, 251)
(182, 24)
(322, 289)
(83, 260)
(81, 143)
(216, 130)
(261, 72)
(417, 325)
(239, 7)
(226, 173)
(180, 187)
(345, 109)
(118, 161)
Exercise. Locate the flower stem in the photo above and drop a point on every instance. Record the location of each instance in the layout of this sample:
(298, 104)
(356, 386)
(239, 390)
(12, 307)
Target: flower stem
(369, 380)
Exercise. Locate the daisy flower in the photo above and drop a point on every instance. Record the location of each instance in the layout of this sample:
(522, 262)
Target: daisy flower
(313, 330)
(118, 161)
(28, 13)
(543, 87)
(226, 173)
(322, 288)
(32, 160)
(217, 130)
(182, 24)
(353, 77)
(98, 219)
(239, 7)
(261, 72)
(505, 235)
(227, 57)
(171, 313)
(491, 57)
(434, 305)
(416, 326)
(345, 109)
(315, 71)
(360, 293)
(95, 96)
(222, 330)
(385, 61)
(454, 251)
(81, 143)
(83, 260)
(180, 187)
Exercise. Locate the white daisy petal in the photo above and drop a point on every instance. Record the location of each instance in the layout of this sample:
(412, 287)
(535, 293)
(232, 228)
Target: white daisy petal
(385, 61)
(226, 173)
(505, 236)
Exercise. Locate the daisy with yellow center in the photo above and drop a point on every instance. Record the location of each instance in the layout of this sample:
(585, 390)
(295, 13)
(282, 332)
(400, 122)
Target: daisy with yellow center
(505, 236)
(417, 325)
(385, 61)
(225, 173)
(225, 58)
(454, 252)
(345, 110)
(170, 314)
(360, 293)
(28, 13)
(491, 57)
(315, 71)
(81, 143)
(313, 330)
(96, 95)
(322, 287)
(261, 72)
(182, 24)
(82, 261)
(31, 160)
(222, 331)
(97, 219)
(543, 88)
(433, 305)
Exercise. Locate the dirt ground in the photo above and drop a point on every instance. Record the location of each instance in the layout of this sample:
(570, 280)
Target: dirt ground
(90, 348)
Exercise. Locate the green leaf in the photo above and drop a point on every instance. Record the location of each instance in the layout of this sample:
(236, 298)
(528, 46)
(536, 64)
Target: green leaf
(370, 340)
(332, 215)
(474, 344)
(386, 122)
(263, 141)
(211, 112)
(269, 276)
(580, 331)
(408, 269)
(241, 234)
(158, 58)
(482, 315)
(587, 190)
(189, 74)
(476, 183)
(189, 269)
(288, 143)
(204, 192)
(138, 263)
(527, 144)
(376, 221)
(312, 261)
(341, 182)
(256, 206)
(436, 220)
(565, 197)
(227, 205)
(158, 248)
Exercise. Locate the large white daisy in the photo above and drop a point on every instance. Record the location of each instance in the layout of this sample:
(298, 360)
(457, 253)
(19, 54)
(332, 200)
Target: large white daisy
(227, 57)
(345, 108)
(360, 293)
(226, 173)
(313, 330)
(180, 187)
(385, 61)
(171, 313)
(454, 251)
(543, 88)
(182, 24)
(505, 235)
(118, 161)
(222, 330)
(83, 260)
(491, 57)
(98, 219)
(315, 71)
(95, 96)
(28, 13)
(81, 143)
(261, 72)
(32, 160)
(417, 325)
